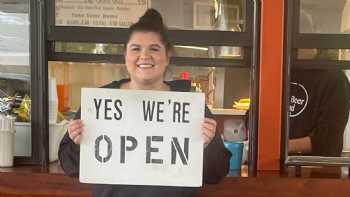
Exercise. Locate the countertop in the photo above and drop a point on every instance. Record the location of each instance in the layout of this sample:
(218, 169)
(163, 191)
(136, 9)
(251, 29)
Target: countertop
(222, 111)
(33, 181)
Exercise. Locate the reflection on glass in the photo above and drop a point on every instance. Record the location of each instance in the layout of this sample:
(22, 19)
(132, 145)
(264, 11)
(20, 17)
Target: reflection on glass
(92, 48)
(179, 50)
(225, 15)
(324, 16)
(209, 52)
(99, 13)
(15, 70)
(318, 111)
(222, 86)
(324, 54)
(344, 54)
(71, 77)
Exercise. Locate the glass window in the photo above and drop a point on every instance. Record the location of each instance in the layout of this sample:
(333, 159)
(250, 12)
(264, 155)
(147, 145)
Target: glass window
(324, 16)
(324, 54)
(179, 50)
(209, 52)
(225, 15)
(15, 70)
(318, 112)
(319, 96)
(225, 79)
(222, 86)
(224, 90)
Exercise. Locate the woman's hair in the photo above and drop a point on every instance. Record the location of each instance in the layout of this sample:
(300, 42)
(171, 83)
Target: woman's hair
(151, 21)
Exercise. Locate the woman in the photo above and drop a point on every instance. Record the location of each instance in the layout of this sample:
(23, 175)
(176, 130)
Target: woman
(147, 55)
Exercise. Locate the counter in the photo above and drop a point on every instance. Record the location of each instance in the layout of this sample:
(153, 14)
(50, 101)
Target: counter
(230, 112)
(32, 181)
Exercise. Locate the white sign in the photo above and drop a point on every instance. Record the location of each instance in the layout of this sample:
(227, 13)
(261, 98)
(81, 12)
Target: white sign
(99, 13)
(139, 137)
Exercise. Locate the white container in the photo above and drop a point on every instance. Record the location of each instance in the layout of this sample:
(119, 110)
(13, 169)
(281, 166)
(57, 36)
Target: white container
(23, 145)
(57, 131)
(53, 110)
(23, 139)
(7, 142)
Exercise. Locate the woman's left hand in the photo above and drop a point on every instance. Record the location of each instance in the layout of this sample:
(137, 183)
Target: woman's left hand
(208, 130)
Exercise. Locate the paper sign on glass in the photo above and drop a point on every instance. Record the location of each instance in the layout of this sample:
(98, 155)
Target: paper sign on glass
(99, 13)
(137, 137)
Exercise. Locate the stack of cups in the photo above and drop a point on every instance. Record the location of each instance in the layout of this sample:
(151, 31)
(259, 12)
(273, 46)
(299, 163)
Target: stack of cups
(53, 101)
(7, 140)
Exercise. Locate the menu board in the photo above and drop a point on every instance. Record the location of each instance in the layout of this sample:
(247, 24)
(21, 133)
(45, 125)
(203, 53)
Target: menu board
(99, 13)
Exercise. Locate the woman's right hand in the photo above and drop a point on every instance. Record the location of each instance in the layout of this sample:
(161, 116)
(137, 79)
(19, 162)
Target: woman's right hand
(75, 129)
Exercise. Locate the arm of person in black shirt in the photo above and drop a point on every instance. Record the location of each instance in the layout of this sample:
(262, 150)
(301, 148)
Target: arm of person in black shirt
(216, 158)
(69, 154)
(327, 137)
(300, 145)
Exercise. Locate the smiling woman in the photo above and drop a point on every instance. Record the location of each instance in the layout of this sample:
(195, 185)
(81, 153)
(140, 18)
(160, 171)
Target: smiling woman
(147, 55)
(146, 60)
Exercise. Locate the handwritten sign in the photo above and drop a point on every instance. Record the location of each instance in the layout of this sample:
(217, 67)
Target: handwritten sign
(99, 13)
(141, 137)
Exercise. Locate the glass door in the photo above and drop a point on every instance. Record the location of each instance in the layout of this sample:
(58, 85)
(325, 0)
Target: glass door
(15, 69)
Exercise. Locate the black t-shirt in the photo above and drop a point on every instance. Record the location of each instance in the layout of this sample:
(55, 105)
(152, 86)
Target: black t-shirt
(319, 107)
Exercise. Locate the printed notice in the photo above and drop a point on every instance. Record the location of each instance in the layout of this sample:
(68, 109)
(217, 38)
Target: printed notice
(99, 13)
(136, 137)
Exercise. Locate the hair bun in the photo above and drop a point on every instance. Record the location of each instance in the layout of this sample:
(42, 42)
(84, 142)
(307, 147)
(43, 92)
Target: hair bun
(151, 21)
(152, 17)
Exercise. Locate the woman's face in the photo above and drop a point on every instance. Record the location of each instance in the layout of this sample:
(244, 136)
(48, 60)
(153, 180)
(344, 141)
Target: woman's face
(146, 58)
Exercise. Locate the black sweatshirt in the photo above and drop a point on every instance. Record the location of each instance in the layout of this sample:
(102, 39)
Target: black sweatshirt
(319, 107)
(215, 164)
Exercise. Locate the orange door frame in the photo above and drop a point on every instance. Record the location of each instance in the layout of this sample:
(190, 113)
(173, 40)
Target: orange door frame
(270, 86)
